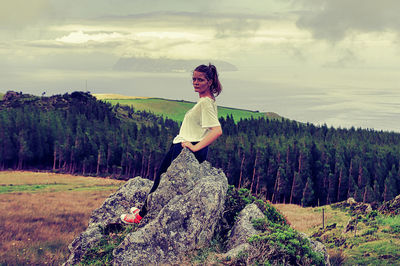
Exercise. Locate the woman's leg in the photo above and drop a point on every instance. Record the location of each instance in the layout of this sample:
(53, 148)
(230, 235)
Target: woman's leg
(173, 152)
(201, 155)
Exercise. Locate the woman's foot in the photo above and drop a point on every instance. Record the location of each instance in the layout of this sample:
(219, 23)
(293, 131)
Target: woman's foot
(134, 210)
(131, 218)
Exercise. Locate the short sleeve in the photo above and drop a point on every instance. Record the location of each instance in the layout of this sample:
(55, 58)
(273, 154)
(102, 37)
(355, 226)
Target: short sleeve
(209, 114)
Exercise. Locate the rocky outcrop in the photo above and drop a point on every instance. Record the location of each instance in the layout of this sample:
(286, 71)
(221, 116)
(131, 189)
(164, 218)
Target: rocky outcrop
(354, 206)
(14, 99)
(242, 230)
(318, 247)
(183, 214)
(132, 193)
(391, 207)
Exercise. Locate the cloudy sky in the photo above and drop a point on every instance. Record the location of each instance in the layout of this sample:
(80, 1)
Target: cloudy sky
(320, 61)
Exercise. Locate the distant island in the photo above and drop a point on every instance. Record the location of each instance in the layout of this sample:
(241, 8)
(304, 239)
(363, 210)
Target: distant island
(141, 64)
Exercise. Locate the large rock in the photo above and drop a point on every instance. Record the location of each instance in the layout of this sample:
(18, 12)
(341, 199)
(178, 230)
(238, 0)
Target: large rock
(318, 247)
(130, 194)
(353, 206)
(391, 207)
(183, 214)
(243, 228)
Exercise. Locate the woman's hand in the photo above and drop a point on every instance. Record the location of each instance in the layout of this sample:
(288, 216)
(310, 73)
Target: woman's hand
(189, 145)
(211, 136)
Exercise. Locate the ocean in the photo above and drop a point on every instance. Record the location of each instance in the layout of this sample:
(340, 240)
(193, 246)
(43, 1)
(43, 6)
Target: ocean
(306, 97)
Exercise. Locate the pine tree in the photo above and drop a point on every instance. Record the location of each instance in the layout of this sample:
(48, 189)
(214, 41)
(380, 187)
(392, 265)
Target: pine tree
(278, 195)
(352, 187)
(343, 185)
(24, 152)
(297, 189)
(363, 178)
(368, 196)
(377, 192)
(331, 195)
(308, 194)
(358, 194)
(390, 186)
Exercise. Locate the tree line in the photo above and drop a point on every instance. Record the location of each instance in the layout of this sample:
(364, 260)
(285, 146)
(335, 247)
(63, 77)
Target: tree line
(282, 161)
(83, 136)
(290, 162)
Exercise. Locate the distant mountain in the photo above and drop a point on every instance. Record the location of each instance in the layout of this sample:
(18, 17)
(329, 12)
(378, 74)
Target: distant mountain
(140, 64)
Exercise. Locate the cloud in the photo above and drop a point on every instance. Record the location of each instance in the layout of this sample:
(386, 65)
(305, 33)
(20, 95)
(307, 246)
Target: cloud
(184, 35)
(98, 8)
(346, 58)
(334, 20)
(78, 37)
(16, 14)
(223, 24)
(240, 28)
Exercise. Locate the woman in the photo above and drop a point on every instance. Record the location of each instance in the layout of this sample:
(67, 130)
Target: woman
(199, 129)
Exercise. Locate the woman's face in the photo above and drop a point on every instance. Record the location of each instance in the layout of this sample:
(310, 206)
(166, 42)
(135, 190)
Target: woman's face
(201, 84)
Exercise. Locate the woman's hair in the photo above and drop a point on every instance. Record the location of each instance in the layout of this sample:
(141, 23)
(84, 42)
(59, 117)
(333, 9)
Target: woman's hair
(211, 73)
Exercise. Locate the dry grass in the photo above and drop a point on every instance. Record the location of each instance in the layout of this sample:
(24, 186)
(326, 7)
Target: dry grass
(26, 177)
(20, 181)
(305, 219)
(36, 228)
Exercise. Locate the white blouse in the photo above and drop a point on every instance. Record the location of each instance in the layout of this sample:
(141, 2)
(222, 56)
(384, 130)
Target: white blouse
(198, 121)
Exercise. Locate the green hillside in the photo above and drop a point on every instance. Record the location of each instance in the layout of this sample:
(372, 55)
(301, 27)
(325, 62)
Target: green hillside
(1, 96)
(176, 110)
(353, 233)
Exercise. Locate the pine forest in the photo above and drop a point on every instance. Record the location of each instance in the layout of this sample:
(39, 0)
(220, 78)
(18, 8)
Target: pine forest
(283, 161)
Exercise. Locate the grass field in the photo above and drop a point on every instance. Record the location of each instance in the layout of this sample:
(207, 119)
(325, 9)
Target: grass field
(301, 219)
(376, 241)
(41, 213)
(45, 213)
(17, 181)
(176, 109)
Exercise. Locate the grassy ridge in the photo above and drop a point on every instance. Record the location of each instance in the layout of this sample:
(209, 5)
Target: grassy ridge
(176, 110)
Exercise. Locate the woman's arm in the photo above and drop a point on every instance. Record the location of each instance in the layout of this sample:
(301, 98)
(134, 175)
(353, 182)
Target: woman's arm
(211, 136)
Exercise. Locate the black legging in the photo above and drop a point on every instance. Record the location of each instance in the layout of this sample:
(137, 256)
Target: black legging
(173, 152)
